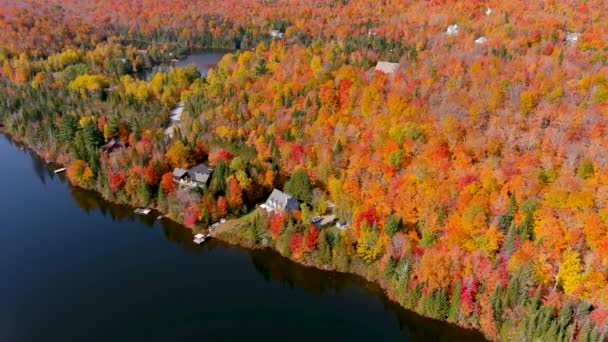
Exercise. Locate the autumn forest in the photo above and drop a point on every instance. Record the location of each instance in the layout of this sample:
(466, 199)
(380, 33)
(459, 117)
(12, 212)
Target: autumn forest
(471, 178)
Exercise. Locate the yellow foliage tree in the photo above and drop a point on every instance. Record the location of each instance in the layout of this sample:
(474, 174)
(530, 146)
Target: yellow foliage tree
(569, 274)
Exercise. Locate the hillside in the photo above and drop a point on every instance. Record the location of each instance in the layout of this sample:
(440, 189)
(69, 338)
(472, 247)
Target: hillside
(473, 176)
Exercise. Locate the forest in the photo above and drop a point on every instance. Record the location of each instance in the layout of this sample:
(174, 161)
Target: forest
(473, 178)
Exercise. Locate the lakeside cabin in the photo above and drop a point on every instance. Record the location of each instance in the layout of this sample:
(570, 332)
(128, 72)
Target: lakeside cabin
(198, 176)
(112, 145)
(278, 200)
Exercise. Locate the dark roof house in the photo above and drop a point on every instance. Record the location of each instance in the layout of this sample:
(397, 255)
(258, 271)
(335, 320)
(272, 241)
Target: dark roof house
(112, 145)
(278, 200)
(198, 176)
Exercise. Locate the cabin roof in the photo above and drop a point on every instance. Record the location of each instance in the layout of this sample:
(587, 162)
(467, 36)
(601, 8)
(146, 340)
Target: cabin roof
(387, 67)
(179, 172)
(279, 199)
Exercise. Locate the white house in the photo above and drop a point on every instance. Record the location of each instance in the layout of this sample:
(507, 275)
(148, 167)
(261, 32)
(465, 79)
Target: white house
(387, 67)
(452, 30)
(481, 40)
(276, 34)
(278, 200)
(572, 37)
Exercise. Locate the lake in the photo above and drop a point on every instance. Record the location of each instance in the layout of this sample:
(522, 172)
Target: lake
(203, 59)
(77, 268)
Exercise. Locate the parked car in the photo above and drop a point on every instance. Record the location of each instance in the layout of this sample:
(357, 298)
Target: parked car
(316, 219)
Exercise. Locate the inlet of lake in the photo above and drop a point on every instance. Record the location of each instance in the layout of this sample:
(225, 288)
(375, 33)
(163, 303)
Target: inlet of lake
(77, 268)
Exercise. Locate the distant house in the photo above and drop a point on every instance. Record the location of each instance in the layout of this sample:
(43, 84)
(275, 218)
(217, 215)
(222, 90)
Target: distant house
(373, 32)
(278, 200)
(387, 67)
(572, 37)
(342, 225)
(276, 34)
(198, 176)
(481, 40)
(112, 145)
(452, 30)
(142, 51)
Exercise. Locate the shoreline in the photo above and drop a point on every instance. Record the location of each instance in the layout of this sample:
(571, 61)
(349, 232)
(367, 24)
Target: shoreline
(360, 269)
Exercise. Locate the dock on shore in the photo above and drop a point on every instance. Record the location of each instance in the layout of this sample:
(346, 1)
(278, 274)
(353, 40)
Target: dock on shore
(142, 211)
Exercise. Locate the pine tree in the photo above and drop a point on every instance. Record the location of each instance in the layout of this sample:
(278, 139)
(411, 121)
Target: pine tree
(323, 256)
(392, 226)
(299, 186)
(507, 247)
(260, 68)
(454, 312)
(497, 308)
(389, 268)
(218, 180)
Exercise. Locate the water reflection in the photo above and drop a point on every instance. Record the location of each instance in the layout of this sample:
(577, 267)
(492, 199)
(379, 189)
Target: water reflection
(273, 268)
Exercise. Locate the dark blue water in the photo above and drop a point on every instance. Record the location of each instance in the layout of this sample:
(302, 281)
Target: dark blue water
(203, 60)
(76, 268)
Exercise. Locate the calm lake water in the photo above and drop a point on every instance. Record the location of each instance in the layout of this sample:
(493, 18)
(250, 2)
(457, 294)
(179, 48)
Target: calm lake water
(204, 60)
(76, 268)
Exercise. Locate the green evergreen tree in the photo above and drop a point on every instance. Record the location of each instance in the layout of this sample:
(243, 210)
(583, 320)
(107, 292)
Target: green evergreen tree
(497, 307)
(162, 200)
(260, 68)
(218, 180)
(454, 312)
(508, 245)
(68, 127)
(299, 186)
(389, 268)
(93, 138)
(143, 193)
(392, 226)
(323, 255)
(283, 241)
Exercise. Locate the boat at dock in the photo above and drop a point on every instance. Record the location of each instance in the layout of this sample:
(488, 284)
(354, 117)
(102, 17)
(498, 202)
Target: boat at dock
(200, 238)
(60, 170)
(142, 211)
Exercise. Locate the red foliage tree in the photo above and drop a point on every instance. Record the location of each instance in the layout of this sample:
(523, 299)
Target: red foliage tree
(312, 239)
(297, 154)
(218, 155)
(276, 225)
(117, 181)
(222, 206)
(295, 243)
(235, 194)
(150, 174)
(191, 214)
(167, 182)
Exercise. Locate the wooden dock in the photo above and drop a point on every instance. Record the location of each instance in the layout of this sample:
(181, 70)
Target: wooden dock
(200, 238)
(142, 211)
